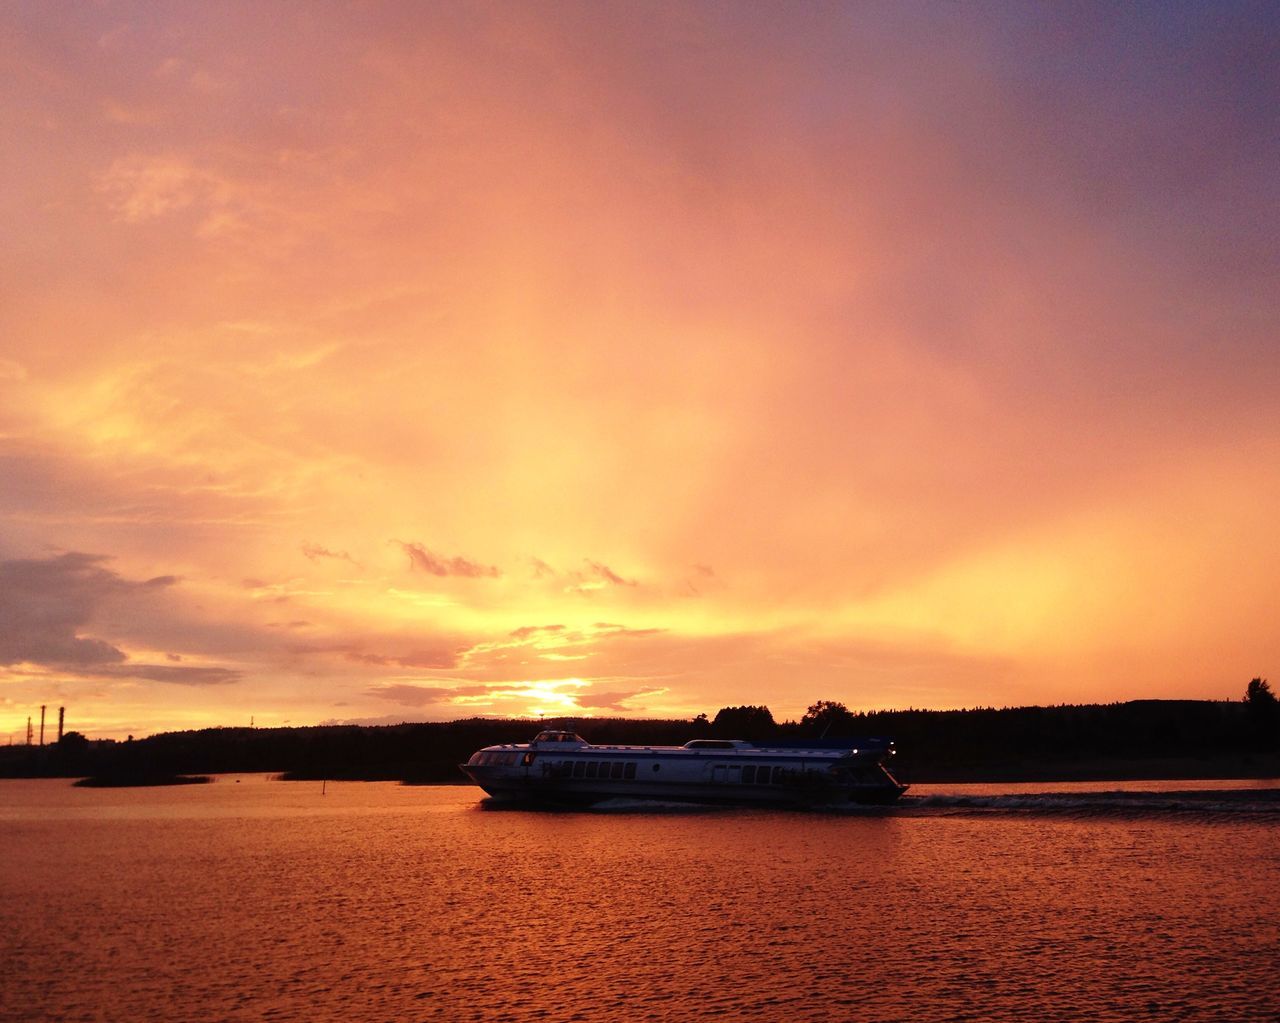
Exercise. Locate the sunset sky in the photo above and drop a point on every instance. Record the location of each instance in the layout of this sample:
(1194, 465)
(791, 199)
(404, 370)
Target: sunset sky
(403, 361)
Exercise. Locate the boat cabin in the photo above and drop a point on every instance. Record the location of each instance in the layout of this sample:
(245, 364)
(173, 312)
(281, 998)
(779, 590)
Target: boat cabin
(558, 740)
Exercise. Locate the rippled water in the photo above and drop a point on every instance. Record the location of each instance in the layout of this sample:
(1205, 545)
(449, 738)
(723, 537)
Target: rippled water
(256, 899)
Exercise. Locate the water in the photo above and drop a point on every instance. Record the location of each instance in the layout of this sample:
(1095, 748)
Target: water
(253, 899)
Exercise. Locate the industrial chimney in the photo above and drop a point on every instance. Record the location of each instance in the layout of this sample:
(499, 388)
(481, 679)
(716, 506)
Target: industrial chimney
(42, 724)
(61, 713)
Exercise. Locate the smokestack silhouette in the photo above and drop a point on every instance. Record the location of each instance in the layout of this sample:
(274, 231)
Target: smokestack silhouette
(42, 724)
(28, 729)
(61, 712)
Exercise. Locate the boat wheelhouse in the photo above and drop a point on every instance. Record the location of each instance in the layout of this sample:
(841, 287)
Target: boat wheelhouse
(561, 767)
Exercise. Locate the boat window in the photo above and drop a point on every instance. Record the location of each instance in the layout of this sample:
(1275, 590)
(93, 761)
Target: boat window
(778, 775)
(630, 771)
(528, 758)
(749, 773)
(616, 771)
(657, 768)
(580, 769)
(762, 775)
(592, 767)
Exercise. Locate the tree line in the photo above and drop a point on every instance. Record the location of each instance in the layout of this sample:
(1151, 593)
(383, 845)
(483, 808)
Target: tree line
(1026, 742)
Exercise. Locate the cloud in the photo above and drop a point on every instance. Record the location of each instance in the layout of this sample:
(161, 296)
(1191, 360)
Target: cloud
(45, 603)
(175, 675)
(422, 696)
(595, 576)
(611, 701)
(604, 572)
(541, 570)
(421, 558)
(143, 187)
(314, 552)
(525, 631)
(442, 655)
(426, 658)
(610, 629)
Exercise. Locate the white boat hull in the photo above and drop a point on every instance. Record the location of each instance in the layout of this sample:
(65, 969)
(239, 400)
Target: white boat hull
(576, 773)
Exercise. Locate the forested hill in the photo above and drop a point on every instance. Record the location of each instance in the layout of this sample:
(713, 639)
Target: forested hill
(1147, 738)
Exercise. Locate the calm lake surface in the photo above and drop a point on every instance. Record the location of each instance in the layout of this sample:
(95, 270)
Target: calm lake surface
(252, 899)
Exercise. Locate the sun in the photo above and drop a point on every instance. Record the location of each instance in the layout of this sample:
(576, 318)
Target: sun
(553, 696)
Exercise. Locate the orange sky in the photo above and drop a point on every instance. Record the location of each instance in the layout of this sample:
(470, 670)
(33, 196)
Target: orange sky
(383, 361)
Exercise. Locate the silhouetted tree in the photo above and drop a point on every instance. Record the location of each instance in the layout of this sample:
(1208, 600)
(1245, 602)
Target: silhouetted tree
(1258, 694)
(1263, 710)
(827, 717)
(73, 742)
(744, 723)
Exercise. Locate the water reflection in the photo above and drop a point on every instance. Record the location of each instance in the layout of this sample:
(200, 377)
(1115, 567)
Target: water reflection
(376, 901)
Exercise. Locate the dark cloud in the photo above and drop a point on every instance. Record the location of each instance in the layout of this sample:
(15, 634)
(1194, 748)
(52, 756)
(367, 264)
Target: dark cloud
(45, 603)
(428, 561)
(175, 675)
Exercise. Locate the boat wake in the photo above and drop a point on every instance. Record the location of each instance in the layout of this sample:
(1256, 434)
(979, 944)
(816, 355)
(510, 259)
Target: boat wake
(1234, 804)
(1212, 804)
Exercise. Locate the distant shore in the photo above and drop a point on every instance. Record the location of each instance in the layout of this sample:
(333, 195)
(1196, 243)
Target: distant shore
(1262, 767)
(1137, 740)
(138, 781)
